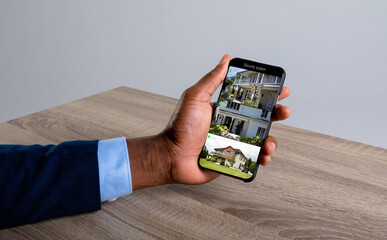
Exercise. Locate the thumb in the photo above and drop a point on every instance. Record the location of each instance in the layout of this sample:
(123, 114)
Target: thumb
(211, 81)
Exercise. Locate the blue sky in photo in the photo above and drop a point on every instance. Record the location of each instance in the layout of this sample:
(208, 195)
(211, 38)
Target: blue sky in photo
(215, 141)
(234, 70)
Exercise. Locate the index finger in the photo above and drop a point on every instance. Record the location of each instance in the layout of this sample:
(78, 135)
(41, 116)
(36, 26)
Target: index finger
(285, 92)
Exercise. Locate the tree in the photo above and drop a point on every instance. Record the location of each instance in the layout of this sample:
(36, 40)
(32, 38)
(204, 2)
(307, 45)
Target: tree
(250, 103)
(230, 90)
(254, 141)
(224, 96)
(229, 82)
(214, 158)
(248, 163)
(217, 128)
(204, 153)
(222, 162)
(252, 167)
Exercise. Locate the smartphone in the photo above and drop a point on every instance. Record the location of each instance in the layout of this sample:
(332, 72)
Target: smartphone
(242, 118)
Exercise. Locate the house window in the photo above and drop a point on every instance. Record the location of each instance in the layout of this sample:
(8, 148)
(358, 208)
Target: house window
(219, 120)
(264, 113)
(230, 154)
(254, 79)
(233, 105)
(261, 132)
(263, 77)
(271, 101)
(246, 95)
(259, 78)
(270, 79)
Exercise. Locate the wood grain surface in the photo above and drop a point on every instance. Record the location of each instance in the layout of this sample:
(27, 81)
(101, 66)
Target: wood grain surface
(316, 187)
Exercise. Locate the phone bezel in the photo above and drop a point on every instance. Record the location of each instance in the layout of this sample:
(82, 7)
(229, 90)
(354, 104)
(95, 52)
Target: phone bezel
(264, 68)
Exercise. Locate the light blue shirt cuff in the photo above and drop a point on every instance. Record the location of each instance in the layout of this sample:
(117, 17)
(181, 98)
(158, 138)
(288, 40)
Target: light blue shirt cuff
(114, 169)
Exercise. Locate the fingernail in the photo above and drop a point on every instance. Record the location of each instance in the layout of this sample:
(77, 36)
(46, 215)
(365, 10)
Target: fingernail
(222, 60)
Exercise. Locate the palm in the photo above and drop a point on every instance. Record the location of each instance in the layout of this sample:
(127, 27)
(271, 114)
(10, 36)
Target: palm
(187, 131)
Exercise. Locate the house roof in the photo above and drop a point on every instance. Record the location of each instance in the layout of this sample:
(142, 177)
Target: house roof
(225, 156)
(235, 149)
(247, 72)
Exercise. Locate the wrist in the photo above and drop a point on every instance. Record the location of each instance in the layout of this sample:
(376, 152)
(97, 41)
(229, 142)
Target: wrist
(150, 163)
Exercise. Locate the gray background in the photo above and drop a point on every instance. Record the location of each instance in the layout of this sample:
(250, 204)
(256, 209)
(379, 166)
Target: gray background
(334, 52)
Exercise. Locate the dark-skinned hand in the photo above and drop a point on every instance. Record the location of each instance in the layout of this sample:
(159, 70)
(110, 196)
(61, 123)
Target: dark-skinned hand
(172, 155)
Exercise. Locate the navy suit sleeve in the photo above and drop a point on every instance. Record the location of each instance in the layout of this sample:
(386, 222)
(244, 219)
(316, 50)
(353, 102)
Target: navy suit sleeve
(40, 182)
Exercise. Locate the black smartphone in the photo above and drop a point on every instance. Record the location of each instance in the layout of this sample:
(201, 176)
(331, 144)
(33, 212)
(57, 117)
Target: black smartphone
(242, 118)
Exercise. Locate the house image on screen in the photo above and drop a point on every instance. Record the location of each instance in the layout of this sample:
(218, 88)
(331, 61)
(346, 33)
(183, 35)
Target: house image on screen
(250, 101)
(232, 157)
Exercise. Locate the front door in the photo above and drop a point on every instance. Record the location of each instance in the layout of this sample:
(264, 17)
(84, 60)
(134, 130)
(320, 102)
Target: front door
(239, 127)
(227, 122)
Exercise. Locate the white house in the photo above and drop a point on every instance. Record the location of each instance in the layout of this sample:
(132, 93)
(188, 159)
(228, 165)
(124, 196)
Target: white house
(248, 111)
(233, 158)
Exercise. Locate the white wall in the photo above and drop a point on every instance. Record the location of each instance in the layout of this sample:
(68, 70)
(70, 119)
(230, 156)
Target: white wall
(334, 52)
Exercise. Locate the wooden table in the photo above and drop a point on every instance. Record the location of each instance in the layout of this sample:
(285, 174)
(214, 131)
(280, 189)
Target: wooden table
(316, 186)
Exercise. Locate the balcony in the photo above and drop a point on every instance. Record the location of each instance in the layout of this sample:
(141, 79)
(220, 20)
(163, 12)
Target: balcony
(266, 80)
(244, 111)
(245, 81)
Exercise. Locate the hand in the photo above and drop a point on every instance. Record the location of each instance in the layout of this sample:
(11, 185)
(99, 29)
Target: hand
(171, 156)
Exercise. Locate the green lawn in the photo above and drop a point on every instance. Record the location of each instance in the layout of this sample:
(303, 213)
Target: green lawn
(223, 169)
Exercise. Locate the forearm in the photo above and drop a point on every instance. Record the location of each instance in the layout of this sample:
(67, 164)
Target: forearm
(149, 161)
(42, 182)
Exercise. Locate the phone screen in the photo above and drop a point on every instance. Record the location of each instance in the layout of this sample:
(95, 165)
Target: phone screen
(242, 118)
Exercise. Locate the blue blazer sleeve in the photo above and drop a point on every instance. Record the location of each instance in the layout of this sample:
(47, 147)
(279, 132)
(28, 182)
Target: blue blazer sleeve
(40, 182)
